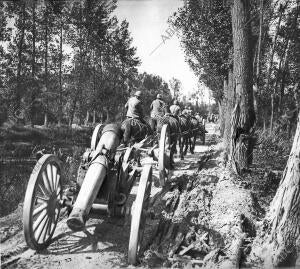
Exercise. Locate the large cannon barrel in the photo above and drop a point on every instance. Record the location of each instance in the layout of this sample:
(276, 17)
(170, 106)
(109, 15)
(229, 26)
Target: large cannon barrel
(96, 173)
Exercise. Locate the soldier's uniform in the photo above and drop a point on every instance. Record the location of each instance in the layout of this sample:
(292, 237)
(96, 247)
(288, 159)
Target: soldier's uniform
(157, 111)
(157, 108)
(134, 108)
(175, 110)
(187, 111)
(135, 116)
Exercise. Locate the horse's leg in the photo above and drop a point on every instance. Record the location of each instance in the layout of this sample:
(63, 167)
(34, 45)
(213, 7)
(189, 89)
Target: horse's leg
(188, 142)
(185, 144)
(175, 145)
(181, 144)
(192, 142)
(172, 149)
(195, 140)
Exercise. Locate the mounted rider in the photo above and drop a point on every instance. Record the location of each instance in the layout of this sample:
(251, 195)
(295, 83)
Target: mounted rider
(187, 111)
(157, 110)
(134, 107)
(175, 109)
(199, 117)
(134, 127)
(190, 111)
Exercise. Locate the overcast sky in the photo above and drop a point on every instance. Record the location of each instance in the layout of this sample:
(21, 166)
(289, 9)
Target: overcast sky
(147, 23)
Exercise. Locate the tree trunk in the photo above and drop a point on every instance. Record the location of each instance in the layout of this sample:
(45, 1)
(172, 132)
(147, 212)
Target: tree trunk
(261, 21)
(17, 96)
(222, 108)
(86, 122)
(264, 125)
(269, 73)
(31, 109)
(102, 116)
(280, 72)
(73, 111)
(281, 10)
(94, 117)
(286, 55)
(46, 66)
(243, 117)
(94, 102)
(257, 67)
(107, 114)
(33, 40)
(284, 213)
(283, 73)
(230, 99)
(60, 113)
(272, 113)
(296, 96)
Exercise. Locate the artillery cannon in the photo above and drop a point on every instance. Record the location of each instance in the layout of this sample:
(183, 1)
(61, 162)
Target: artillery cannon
(105, 180)
(160, 151)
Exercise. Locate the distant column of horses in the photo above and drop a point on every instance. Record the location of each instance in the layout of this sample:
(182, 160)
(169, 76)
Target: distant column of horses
(184, 131)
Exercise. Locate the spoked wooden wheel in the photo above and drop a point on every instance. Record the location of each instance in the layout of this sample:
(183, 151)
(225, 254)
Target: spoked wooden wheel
(138, 214)
(42, 202)
(96, 136)
(164, 158)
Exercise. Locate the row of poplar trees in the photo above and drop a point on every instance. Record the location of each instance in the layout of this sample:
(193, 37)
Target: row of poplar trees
(248, 52)
(67, 60)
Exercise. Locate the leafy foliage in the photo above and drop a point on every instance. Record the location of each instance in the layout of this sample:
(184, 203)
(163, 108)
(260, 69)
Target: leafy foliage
(175, 85)
(207, 40)
(68, 60)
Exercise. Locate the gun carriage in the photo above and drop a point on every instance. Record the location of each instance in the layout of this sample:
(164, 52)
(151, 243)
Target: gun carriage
(105, 179)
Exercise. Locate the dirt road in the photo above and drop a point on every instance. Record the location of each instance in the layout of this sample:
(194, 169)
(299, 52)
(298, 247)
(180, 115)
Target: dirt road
(103, 244)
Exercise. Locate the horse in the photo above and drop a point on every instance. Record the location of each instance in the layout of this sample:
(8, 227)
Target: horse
(134, 130)
(196, 129)
(185, 137)
(174, 128)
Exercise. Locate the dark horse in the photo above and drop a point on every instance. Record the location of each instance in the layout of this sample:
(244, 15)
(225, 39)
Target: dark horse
(185, 137)
(174, 128)
(134, 130)
(197, 128)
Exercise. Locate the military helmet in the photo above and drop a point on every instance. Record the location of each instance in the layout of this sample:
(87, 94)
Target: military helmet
(138, 94)
(158, 96)
(175, 102)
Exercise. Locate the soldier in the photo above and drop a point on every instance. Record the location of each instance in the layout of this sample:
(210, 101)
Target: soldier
(185, 111)
(175, 108)
(134, 107)
(190, 111)
(157, 110)
(199, 117)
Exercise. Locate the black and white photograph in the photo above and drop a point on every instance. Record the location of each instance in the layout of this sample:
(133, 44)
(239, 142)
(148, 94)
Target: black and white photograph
(149, 134)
